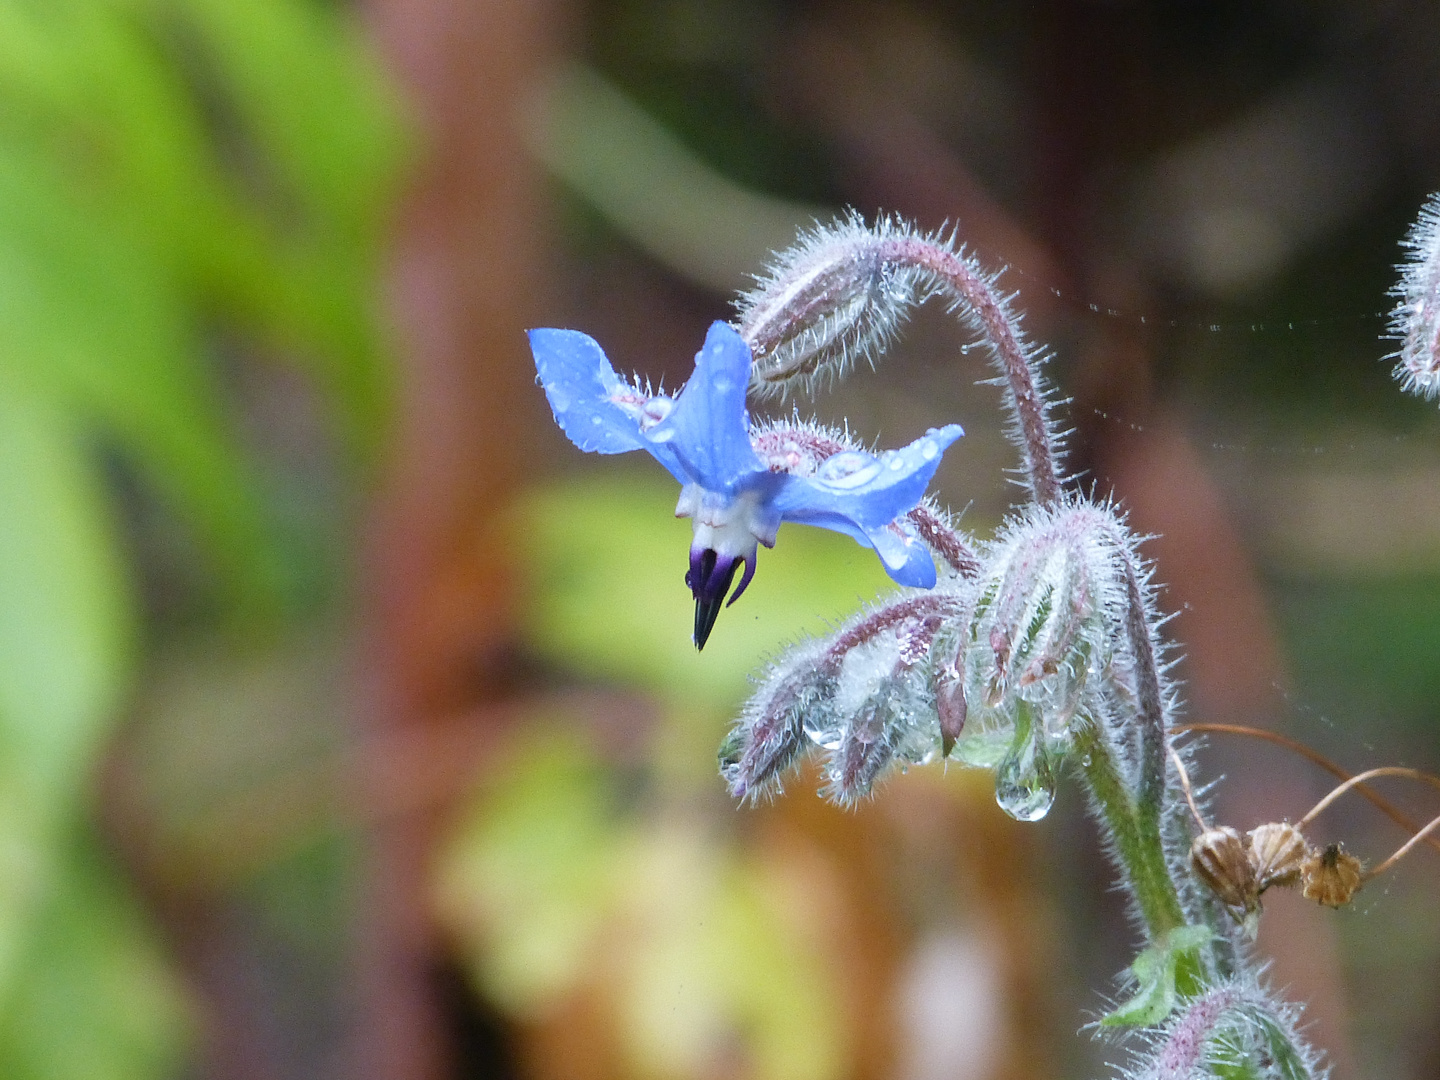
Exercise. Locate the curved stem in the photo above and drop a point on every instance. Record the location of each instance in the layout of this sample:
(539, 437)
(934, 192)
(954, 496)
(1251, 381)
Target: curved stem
(1384, 805)
(915, 608)
(1134, 808)
(1355, 781)
(964, 280)
(1138, 844)
(945, 541)
(1405, 848)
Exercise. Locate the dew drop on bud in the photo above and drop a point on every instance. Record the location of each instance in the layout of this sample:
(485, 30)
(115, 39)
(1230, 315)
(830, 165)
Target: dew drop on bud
(822, 727)
(1025, 779)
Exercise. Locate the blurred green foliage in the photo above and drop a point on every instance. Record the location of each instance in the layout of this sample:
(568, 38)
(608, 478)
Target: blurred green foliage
(572, 865)
(557, 880)
(174, 175)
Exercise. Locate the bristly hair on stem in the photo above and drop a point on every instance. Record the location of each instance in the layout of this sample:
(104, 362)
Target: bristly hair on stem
(841, 293)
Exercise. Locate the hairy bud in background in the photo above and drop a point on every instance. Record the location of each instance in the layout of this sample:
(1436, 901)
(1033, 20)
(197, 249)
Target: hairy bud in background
(1416, 319)
(831, 299)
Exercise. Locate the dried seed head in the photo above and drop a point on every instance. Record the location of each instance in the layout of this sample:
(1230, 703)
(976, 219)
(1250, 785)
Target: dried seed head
(1331, 877)
(1219, 859)
(1277, 851)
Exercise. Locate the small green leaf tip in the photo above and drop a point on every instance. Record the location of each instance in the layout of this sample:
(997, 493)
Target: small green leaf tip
(1155, 969)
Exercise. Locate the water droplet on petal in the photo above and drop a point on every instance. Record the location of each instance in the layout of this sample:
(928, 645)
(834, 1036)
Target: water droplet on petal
(596, 420)
(928, 450)
(896, 462)
(848, 469)
(655, 410)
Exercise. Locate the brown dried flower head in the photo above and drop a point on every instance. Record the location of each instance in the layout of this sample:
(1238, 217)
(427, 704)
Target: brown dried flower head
(1331, 877)
(1220, 860)
(1277, 850)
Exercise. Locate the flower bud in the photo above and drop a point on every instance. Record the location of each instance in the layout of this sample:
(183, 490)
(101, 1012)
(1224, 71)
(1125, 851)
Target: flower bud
(1416, 319)
(833, 298)
(770, 734)
(1043, 622)
(887, 714)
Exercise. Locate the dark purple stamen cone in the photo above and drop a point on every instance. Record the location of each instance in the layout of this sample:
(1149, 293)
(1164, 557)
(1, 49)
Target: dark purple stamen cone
(709, 578)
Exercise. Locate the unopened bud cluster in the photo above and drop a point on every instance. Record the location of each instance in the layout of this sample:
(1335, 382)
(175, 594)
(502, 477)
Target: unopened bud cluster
(1041, 643)
(993, 669)
(866, 697)
(1039, 646)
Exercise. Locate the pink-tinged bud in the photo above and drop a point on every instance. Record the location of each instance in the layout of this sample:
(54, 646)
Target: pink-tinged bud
(770, 736)
(833, 298)
(951, 706)
(1046, 620)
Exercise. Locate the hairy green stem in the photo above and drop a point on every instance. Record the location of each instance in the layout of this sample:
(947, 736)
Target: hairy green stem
(1140, 851)
(1136, 836)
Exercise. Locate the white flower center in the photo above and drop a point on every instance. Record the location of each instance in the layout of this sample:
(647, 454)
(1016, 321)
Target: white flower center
(728, 524)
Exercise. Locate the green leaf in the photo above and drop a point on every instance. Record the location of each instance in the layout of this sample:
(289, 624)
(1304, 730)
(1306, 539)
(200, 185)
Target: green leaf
(66, 609)
(66, 620)
(1155, 971)
(314, 100)
(535, 863)
(94, 999)
(556, 880)
(87, 316)
(324, 128)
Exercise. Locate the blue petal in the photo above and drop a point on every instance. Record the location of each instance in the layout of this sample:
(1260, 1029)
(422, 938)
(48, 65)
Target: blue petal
(708, 429)
(584, 390)
(907, 563)
(864, 489)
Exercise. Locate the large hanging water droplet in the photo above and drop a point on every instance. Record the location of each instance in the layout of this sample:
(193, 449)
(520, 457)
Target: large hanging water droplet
(1025, 779)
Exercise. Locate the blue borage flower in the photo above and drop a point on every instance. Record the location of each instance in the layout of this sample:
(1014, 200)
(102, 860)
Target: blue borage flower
(737, 492)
